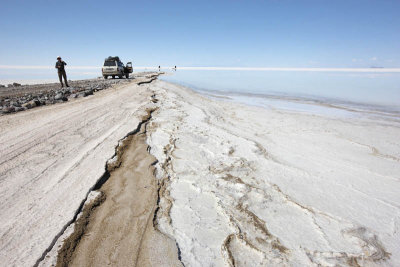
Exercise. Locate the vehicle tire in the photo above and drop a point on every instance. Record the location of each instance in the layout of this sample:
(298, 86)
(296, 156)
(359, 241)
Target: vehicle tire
(106, 77)
(113, 76)
(119, 76)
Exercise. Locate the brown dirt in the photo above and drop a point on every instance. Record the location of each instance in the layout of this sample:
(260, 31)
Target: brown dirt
(118, 230)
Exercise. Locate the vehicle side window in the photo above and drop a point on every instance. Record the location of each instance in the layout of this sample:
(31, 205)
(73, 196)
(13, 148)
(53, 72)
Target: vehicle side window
(109, 63)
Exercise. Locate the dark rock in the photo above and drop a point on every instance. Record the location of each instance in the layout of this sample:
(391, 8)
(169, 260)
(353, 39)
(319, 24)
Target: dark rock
(16, 84)
(37, 102)
(33, 103)
(89, 92)
(8, 109)
(15, 104)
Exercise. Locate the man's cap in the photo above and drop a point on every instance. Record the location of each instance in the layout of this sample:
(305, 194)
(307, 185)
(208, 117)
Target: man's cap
(58, 57)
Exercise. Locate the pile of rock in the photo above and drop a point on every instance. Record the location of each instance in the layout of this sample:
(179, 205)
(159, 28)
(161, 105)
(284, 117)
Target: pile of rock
(15, 103)
(11, 85)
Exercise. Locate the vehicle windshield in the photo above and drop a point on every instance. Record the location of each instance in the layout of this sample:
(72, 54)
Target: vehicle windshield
(109, 63)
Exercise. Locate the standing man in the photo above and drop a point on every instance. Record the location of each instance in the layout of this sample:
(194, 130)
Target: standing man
(60, 66)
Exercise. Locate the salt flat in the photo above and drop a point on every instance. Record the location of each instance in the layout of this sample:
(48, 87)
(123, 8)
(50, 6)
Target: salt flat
(247, 186)
(237, 185)
(50, 158)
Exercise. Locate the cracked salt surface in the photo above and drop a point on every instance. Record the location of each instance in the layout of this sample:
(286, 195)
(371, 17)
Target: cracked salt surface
(247, 186)
(239, 185)
(51, 157)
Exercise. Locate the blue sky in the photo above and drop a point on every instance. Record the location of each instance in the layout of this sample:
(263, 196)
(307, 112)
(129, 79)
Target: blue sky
(278, 33)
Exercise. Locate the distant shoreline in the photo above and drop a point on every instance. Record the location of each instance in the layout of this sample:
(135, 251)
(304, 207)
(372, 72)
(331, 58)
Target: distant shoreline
(337, 69)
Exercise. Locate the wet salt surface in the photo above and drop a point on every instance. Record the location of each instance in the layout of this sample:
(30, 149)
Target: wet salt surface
(326, 94)
(325, 108)
(287, 105)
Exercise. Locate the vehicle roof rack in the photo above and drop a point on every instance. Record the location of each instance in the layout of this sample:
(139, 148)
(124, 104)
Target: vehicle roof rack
(110, 58)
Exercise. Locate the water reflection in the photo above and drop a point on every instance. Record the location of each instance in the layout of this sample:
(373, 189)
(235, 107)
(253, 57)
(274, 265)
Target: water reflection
(300, 91)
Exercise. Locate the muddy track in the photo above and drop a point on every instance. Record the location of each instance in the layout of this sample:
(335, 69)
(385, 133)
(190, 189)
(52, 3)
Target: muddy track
(151, 78)
(116, 228)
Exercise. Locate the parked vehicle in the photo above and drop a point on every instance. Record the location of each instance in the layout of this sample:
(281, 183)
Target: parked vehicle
(113, 67)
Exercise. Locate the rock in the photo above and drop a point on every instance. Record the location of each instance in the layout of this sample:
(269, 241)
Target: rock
(36, 101)
(10, 85)
(15, 104)
(8, 109)
(33, 103)
(58, 96)
(89, 92)
(1, 85)
(51, 93)
(27, 105)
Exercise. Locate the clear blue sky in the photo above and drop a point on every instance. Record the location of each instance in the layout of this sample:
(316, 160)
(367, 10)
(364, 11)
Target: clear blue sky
(276, 33)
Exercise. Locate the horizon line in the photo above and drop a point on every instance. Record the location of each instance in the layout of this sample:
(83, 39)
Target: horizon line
(317, 69)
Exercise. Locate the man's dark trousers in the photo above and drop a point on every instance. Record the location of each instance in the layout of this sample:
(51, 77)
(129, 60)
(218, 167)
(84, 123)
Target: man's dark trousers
(62, 73)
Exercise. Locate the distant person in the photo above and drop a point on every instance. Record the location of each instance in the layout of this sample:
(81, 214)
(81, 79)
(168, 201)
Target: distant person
(175, 68)
(60, 66)
(159, 68)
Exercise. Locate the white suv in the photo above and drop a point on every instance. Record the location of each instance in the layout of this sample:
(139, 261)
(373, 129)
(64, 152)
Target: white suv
(113, 67)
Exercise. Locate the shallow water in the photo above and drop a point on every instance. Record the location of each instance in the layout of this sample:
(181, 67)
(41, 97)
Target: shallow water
(316, 92)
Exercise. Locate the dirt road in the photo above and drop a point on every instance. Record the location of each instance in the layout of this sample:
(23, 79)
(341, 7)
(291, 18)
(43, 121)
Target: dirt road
(117, 229)
(51, 157)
